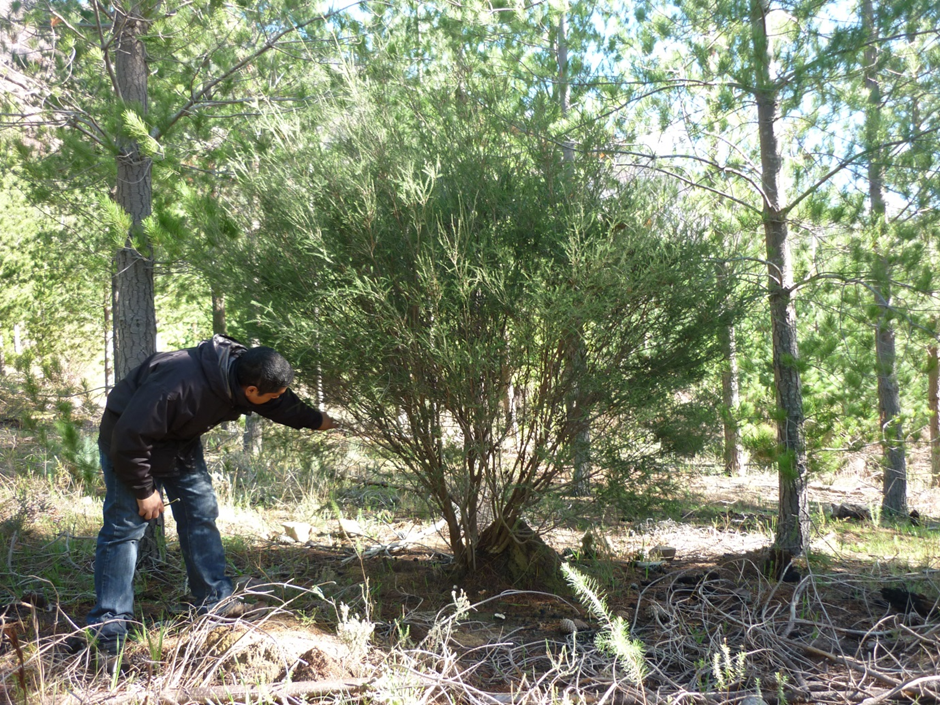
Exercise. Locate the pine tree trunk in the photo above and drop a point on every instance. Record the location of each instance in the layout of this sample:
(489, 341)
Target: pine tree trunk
(933, 403)
(564, 89)
(793, 523)
(108, 342)
(730, 392)
(219, 328)
(894, 490)
(135, 324)
(133, 308)
(218, 313)
(253, 438)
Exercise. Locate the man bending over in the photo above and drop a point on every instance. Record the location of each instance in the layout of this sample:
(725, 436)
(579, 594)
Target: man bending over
(150, 437)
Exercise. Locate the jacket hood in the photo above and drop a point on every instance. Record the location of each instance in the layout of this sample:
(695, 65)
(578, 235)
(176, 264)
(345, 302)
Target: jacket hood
(217, 358)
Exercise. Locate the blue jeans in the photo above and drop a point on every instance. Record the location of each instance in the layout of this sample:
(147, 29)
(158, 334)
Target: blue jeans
(116, 554)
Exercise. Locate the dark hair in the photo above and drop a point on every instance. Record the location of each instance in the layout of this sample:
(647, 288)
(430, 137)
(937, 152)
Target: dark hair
(264, 368)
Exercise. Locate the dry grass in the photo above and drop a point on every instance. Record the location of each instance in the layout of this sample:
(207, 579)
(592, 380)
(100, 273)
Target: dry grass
(714, 626)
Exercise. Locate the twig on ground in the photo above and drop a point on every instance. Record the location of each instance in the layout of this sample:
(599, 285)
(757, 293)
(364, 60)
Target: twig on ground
(909, 685)
(222, 693)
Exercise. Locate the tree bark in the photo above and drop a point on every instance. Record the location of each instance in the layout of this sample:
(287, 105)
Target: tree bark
(253, 438)
(218, 313)
(108, 342)
(894, 487)
(894, 483)
(133, 307)
(219, 328)
(730, 392)
(135, 322)
(564, 87)
(135, 325)
(793, 524)
(576, 406)
(933, 403)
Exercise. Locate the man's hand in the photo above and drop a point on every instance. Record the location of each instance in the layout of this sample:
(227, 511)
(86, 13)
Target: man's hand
(152, 507)
(328, 423)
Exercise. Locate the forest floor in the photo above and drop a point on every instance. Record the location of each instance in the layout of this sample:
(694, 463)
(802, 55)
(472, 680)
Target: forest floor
(347, 614)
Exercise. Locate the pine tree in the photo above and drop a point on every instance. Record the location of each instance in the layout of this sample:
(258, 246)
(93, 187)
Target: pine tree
(102, 92)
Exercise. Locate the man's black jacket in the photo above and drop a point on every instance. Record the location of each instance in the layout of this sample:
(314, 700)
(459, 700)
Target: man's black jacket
(155, 416)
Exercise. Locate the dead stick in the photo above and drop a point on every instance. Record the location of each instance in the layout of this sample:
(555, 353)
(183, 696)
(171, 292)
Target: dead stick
(902, 687)
(845, 661)
(222, 693)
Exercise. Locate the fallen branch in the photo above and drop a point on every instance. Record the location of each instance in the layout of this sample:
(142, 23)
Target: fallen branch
(910, 685)
(405, 541)
(231, 693)
(845, 661)
(899, 686)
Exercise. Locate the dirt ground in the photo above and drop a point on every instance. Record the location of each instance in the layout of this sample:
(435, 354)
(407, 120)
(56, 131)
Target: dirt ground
(713, 621)
(715, 597)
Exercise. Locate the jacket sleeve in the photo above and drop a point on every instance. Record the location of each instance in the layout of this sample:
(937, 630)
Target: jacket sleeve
(145, 421)
(289, 410)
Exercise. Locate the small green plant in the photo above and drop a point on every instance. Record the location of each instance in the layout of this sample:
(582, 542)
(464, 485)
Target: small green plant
(114, 668)
(760, 442)
(727, 669)
(614, 637)
(403, 634)
(354, 630)
(566, 663)
(874, 509)
(441, 632)
(782, 680)
(78, 452)
(154, 639)
(701, 670)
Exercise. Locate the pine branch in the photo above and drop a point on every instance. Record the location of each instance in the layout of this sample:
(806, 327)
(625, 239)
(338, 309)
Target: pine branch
(197, 98)
(105, 46)
(688, 181)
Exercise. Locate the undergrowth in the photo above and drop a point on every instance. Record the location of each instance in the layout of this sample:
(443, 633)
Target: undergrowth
(646, 634)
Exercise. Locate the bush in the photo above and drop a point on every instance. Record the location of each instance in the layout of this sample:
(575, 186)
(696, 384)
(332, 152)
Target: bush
(471, 302)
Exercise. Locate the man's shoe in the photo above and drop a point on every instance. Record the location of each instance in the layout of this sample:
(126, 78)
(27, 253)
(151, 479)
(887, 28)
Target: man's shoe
(110, 656)
(74, 644)
(108, 662)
